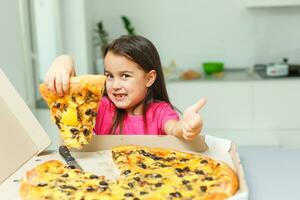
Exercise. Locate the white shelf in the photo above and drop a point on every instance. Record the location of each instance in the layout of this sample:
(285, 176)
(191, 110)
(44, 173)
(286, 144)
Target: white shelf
(271, 3)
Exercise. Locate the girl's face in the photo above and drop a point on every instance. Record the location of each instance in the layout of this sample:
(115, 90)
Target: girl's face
(126, 82)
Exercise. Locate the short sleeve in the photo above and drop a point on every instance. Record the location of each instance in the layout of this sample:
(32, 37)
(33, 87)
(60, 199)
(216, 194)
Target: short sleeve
(166, 113)
(103, 116)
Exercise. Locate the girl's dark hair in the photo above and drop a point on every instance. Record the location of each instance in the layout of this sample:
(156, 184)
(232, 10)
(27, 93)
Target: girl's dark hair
(141, 51)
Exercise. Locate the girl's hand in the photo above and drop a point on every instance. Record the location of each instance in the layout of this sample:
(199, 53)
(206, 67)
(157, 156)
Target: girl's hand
(192, 123)
(58, 76)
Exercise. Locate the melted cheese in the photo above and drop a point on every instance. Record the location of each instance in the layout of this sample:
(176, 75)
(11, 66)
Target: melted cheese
(70, 117)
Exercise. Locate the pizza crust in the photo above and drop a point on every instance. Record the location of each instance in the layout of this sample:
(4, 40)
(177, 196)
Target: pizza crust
(77, 84)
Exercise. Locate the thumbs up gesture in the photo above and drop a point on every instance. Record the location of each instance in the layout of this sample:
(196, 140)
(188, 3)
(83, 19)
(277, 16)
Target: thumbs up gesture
(191, 122)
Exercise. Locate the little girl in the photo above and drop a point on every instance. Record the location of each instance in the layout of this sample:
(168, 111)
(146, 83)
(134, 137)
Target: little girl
(136, 99)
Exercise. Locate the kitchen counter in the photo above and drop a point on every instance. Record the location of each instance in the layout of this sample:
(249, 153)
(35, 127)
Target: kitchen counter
(242, 74)
(271, 172)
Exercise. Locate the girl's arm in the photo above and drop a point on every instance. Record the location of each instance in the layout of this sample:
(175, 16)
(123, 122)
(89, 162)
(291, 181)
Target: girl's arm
(190, 125)
(58, 76)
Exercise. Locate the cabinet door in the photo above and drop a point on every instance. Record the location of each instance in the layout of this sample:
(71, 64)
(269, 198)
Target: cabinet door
(277, 104)
(270, 3)
(229, 104)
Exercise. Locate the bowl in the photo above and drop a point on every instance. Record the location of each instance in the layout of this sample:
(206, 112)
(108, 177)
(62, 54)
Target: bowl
(213, 67)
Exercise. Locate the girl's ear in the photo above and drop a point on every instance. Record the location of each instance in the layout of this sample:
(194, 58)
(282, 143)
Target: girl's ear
(151, 77)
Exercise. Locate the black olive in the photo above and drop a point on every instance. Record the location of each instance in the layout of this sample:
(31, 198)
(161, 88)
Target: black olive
(89, 189)
(203, 161)
(103, 183)
(175, 194)
(131, 185)
(155, 157)
(153, 176)
(74, 131)
(158, 184)
(65, 107)
(88, 111)
(116, 155)
(143, 193)
(58, 125)
(126, 172)
(199, 172)
(208, 178)
(144, 153)
(180, 175)
(128, 194)
(137, 179)
(184, 160)
(57, 121)
(86, 132)
(65, 175)
(94, 114)
(42, 184)
(68, 187)
(170, 159)
(186, 169)
(89, 94)
(157, 176)
(93, 176)
(56, 105)
(142, 165)
(178, 170)
(185, 182)
(203, 188)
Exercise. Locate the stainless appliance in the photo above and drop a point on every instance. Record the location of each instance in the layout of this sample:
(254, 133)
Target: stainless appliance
(294, 70)
(277, 69)
(272, 70)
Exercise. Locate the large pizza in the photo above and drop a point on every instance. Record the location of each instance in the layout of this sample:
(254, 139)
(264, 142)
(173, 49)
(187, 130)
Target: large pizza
(145, 173)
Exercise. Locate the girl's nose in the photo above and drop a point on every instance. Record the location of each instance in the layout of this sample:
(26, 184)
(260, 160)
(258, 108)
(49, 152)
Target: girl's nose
(116, 84)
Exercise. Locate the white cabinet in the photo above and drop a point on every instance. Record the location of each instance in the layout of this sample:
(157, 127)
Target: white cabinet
(263, 112)
(271, 3)
(229, 104)
(276, 105)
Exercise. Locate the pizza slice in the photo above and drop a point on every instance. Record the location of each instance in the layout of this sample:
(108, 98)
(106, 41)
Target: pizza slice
(75, 112)
(53, 180)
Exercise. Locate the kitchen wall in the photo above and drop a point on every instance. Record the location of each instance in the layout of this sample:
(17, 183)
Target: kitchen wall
(188, 31)
(12, 49)
(195, 31)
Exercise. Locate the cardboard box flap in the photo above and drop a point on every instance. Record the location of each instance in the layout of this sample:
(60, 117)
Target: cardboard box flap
(105, 142)
(219, 148)
(243, 188)
(22, 135)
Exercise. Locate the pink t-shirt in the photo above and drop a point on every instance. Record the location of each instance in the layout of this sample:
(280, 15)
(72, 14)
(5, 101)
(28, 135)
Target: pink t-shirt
(157, 114)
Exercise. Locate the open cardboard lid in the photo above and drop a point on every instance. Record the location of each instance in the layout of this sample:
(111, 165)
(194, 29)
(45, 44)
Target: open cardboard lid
(22, 136)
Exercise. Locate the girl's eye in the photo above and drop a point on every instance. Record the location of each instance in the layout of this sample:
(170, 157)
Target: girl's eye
(125, 75)
(109, 76)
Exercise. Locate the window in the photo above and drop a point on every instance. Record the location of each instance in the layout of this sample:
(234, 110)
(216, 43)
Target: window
(46, 38)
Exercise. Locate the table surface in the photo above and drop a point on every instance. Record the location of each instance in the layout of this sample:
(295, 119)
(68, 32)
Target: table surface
(271, 172)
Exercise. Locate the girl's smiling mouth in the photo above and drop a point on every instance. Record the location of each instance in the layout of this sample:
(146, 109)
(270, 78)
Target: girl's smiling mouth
(120, 97)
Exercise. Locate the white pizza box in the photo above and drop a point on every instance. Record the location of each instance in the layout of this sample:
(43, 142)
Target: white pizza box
(22, 136)
(23, 144)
